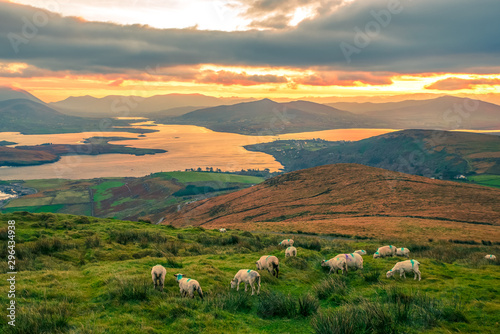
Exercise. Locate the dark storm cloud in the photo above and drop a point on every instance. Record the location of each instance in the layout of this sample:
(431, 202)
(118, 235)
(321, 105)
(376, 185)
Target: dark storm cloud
(425, 36)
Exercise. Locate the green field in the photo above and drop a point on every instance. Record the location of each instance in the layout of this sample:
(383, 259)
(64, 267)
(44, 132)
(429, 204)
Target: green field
(145, 197)
(487, 180)
(209, 177)
(89, 275)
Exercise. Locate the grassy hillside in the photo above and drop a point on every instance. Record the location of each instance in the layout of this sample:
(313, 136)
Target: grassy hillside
(89, 275)
(438, 154)
(349, 198)
(266, 117)
(126, 198)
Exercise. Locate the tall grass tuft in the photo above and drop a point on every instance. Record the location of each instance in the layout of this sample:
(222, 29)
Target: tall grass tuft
(131, 290)
(231, 301)
(42, 318)
(333, 285)
(308, 305)
(275, 304)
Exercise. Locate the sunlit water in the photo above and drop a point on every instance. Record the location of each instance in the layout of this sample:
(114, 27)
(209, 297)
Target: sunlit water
(188, 147)
(4, 196)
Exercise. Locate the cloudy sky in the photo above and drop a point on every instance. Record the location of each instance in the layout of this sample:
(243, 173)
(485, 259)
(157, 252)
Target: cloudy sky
(257, 48)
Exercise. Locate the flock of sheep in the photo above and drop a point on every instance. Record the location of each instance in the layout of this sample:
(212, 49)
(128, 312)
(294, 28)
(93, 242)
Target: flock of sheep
(342, 262)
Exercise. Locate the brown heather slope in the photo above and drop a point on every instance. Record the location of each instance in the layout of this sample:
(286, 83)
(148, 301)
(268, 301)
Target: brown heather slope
(353, 199)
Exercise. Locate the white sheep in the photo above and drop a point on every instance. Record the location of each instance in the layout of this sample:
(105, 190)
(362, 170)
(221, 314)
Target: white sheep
(403, 267)
(360, 252)
(188, 286)
(247, 276)
(490, 257)
(403, 252)
(286, 243)
(385, 251)
(158, 274)
(291, 251)
(222, 230)
(353, 260)
(337, 263)
(269, 262)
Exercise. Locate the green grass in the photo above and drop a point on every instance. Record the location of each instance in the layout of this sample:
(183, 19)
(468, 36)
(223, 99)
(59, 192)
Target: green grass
(90, 275)
(26, 202)
(186, 177)
(486, 180)
(103, 190)
(35, 209)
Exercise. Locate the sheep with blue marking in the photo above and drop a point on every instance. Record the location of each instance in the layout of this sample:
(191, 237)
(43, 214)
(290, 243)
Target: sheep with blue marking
(291, 251)
(490, 257)
(385, 251)
(249, 277)
(188, 286)
(408, 266)
(360, 252)
(353, 260)
(269, 262)
(158, 274)
(335, 264)
(286, 243)
(403, 252)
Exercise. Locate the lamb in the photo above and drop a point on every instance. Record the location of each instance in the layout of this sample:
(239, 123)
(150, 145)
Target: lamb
(407, 266)
(291, 251)
(188, 286)
(490, 257)
(158, 274)
(353, 260)
(249, 277)
(222, 230)
(385, 251)
(403, 252)
(337, 263)
(360, 252)
(286, 243)
(269, 262)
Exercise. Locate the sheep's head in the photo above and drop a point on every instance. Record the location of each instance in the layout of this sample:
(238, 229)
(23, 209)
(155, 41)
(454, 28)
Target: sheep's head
(234, 283)
(390, 273)
(376, 254)
(178, 276)
(323, 263)
(257, 264)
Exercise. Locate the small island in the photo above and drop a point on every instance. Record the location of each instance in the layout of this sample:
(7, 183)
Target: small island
(48, 152)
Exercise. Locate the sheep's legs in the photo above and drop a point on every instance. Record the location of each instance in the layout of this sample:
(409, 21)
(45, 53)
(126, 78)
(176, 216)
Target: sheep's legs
(246, 286)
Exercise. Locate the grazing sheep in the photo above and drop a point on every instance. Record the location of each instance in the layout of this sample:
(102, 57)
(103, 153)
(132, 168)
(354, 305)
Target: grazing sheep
(222, 230)
(490, 257)
(291, 251)
(158, 274)
(403, 252)
(360, 252)
(353, 260)
(247, 276)
(269, 262)
(403, 267)
(337, 263)
(385, 251)
(286, 243)
(188, 286)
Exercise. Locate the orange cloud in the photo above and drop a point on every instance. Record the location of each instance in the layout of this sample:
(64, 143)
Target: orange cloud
(327, 78)
(458, 84)
(228, 78)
